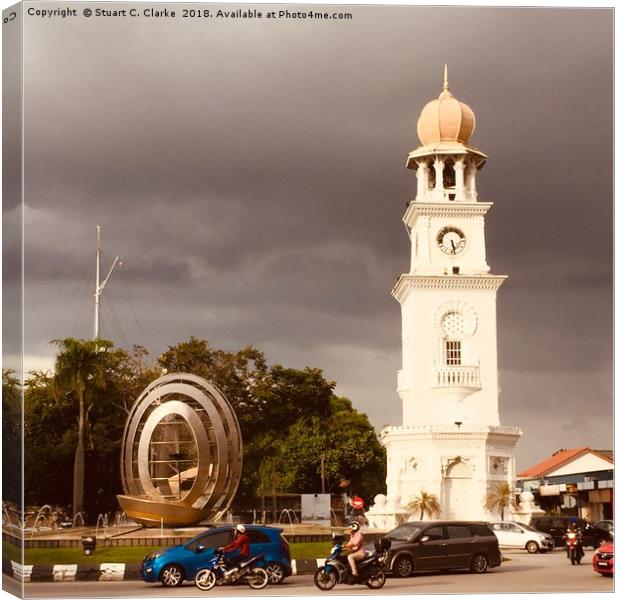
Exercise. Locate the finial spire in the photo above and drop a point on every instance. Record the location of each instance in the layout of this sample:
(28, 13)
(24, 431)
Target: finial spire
(446, 88)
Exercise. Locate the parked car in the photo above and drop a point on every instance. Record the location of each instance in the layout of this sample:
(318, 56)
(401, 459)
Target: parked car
(512, 534)
(603, 561)
(171, 566)
(606, 525)
(441, 545)
(557, 525)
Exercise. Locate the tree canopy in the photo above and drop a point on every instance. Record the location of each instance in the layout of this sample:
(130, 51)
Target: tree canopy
(290, 421)
(11, 437)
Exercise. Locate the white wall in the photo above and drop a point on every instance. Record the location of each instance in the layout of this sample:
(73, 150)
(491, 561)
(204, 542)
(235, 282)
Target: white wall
(583, 464)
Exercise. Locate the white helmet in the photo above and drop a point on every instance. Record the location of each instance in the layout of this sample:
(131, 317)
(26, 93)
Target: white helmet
(240, 528)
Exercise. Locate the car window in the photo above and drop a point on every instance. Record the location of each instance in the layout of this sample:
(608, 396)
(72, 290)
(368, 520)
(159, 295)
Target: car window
(497, 526)
(403, 532)
(210, 540)
(563, 523)
(480, 529)
(435, 533)
(458, 532)
(257, 537)
(526, 527)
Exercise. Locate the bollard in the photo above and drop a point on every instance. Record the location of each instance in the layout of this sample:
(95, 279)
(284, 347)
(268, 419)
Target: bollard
(89, 543)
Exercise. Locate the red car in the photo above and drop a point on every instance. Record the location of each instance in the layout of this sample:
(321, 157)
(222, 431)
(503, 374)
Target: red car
(603, 561)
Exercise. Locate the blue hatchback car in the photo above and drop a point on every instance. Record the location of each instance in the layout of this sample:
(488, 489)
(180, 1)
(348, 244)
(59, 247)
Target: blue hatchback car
(173, 565)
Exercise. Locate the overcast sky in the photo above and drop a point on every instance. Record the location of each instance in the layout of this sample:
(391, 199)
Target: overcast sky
(251, 176)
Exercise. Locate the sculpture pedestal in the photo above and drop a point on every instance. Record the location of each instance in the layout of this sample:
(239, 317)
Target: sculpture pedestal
(384, 514)
(528, 509)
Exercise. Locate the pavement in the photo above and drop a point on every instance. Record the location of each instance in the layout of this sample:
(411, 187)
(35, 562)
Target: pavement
(522, 573)
(108, 571)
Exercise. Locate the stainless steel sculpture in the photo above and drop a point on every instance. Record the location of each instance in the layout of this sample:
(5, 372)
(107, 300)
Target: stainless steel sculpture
(182, 453)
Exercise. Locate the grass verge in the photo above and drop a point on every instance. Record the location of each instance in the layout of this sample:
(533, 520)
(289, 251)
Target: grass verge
(126, 554)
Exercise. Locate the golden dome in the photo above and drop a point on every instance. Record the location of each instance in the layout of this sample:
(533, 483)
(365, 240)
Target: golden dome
(446, 119)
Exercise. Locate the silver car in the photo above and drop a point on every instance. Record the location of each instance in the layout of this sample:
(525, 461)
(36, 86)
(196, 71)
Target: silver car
(512, 534)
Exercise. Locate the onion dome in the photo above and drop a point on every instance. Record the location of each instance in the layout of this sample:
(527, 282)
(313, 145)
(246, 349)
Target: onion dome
(446, 119)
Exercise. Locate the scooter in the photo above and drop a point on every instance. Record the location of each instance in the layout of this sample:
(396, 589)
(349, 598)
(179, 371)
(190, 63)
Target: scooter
(573, 547)
(218, 572)
(337, 570)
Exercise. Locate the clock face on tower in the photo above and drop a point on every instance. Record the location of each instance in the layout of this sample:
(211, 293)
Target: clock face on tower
(451, 240)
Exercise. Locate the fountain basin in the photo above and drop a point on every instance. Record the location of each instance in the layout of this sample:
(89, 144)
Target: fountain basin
(150, 513)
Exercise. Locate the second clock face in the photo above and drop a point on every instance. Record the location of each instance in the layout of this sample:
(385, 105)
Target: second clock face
(451, 240)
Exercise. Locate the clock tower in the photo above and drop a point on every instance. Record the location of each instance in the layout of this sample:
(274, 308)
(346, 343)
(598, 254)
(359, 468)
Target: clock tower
(451, 443)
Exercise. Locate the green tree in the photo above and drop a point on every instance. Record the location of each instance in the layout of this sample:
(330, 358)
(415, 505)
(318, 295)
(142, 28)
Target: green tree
(49, 442)
(11, 437)
(500, 497)
(51, 431)
(425, 502)
(79, 370)
(347, 444)
(268, 400)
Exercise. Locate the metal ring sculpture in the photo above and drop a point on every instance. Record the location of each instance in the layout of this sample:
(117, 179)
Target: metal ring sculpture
(215, 435)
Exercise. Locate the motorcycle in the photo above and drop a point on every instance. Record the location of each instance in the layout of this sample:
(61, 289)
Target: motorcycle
(574, 549)
(218, 573)
(337, 570)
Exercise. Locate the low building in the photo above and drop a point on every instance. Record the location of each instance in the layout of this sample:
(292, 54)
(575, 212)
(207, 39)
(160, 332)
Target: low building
(577, 482)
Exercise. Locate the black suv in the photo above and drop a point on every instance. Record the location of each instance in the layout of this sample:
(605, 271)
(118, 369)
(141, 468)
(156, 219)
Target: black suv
(556, 526)
(441, 545)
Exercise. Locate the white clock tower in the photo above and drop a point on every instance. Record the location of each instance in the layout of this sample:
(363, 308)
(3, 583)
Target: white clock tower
(451, 443)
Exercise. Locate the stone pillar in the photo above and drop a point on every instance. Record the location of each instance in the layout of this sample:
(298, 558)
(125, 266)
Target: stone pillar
(424, 169)
(459, 188)
(422, 180)
(439, 165)
(471, 181)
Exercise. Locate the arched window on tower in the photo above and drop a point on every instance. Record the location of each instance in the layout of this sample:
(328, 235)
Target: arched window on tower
(452, 326)
(431, 175)
(449, 179)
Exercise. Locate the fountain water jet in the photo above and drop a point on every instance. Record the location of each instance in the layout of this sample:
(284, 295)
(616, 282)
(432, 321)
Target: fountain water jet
(104, 523)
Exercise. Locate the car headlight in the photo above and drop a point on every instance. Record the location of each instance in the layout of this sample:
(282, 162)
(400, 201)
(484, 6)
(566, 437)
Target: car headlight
(153, 555)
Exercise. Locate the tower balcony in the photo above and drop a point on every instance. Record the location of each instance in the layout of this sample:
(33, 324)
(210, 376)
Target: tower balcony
(457, 375)
(457, 381)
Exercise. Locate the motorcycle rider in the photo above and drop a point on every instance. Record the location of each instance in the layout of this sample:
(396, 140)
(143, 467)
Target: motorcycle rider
(355, 545)
(241, 541)
(573, 529)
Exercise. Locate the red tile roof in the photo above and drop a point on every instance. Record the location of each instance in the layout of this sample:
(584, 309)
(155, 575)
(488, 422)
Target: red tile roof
(559, 458)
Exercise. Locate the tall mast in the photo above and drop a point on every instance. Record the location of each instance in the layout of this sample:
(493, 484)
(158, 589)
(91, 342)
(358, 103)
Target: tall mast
(99, 286)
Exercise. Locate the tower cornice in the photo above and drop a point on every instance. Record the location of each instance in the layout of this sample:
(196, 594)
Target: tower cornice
(444, 209)
(492, 433)
(408, 282)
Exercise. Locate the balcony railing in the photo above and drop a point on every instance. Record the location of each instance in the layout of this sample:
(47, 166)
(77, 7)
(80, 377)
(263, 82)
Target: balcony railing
(457, 376)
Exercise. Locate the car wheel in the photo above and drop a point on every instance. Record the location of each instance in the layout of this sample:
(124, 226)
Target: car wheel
(479, 564)
(532, 547)
(172, 576)
(276, 572)
(403, 567)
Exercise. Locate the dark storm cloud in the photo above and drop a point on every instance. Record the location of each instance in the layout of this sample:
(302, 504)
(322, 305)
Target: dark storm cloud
(251, 177)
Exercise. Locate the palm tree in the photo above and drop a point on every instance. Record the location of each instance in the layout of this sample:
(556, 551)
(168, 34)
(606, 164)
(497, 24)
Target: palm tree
(425, 503)
(500, 497)
(80, 368)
